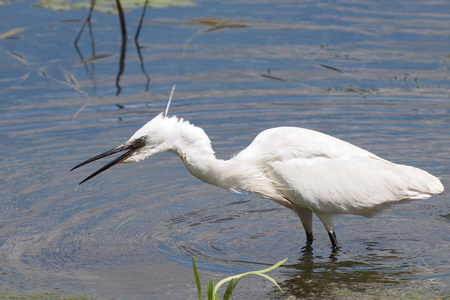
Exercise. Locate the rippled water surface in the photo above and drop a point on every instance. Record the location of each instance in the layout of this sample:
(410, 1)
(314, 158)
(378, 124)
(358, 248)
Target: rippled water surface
(373, 73)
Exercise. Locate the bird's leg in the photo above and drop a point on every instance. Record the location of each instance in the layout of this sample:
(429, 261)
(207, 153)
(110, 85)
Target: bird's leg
(333, 240)
(309, 238)
(305, 216)
(327, 221)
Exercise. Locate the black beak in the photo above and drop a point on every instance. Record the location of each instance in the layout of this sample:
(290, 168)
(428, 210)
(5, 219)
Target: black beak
(129, 147)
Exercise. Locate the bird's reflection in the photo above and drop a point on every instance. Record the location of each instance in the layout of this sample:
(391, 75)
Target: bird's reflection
(321, 277)
(308, 254)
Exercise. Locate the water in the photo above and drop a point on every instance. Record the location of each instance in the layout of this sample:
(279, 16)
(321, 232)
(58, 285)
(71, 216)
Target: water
(130, 232)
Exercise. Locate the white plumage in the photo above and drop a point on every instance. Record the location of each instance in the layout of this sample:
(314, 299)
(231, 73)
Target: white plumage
(304, 170)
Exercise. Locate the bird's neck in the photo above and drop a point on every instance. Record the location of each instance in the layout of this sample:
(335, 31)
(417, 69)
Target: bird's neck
(243, 172)
(211, 170)
(201, 162)
(194, 148)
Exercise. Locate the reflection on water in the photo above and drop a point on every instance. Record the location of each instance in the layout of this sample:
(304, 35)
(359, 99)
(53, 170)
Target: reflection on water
(358, 71)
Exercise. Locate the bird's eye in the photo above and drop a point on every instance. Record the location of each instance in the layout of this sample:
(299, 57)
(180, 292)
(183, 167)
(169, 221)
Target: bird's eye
(140, 141)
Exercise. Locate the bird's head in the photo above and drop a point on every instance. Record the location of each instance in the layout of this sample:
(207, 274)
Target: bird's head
(154, 137)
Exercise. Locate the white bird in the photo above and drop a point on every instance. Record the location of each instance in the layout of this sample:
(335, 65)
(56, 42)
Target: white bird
(301, 169)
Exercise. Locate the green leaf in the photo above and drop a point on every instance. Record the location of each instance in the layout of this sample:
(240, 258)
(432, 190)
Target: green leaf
(197, 279)
(271, 280)
(209, 290)
(229, 290)
(260, 273)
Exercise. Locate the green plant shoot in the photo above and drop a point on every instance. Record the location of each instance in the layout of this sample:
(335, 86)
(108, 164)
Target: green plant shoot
(211, 293)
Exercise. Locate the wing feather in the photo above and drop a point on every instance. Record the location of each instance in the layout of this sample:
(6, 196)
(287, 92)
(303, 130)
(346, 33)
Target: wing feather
(329, 175)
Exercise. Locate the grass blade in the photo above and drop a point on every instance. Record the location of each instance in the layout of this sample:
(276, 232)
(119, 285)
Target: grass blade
(271, 280)
(260, 272)
(197, 279)
(209, 290)
(229, 290)
(10, 33)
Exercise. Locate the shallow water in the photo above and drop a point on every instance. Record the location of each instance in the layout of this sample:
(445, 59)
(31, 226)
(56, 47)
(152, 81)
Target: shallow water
(374, 74)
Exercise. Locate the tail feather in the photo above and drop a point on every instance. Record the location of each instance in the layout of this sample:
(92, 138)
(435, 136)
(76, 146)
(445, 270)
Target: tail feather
(421, 184)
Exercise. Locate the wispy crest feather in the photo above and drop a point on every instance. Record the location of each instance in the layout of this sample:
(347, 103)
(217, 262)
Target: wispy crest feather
(170, 100)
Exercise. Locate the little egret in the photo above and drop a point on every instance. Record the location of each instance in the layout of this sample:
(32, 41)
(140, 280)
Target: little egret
(301, 169)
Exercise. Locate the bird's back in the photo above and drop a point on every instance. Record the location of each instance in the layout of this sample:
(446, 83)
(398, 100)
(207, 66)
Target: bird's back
(329, 175)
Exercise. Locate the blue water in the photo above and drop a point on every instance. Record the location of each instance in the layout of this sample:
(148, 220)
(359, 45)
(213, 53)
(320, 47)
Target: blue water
(374, 74)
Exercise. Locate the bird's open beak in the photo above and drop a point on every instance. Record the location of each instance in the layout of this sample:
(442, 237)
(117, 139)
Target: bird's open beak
(129, 147)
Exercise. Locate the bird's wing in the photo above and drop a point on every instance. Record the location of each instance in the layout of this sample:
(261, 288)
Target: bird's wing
(329, 175)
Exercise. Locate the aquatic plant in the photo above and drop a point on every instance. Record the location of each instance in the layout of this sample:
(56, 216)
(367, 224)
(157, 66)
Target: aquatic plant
(211, 292)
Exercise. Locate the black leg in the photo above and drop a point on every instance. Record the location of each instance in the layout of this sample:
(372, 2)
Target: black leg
(333, 240)
(309, 238)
